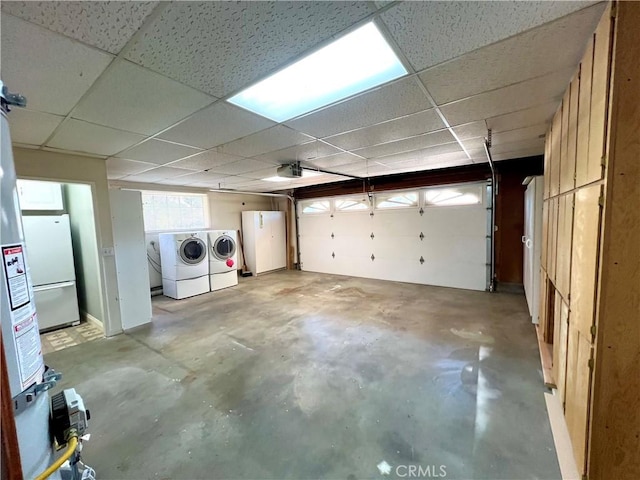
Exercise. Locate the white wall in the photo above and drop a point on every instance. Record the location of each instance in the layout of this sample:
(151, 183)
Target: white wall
(67, 168)
(79, 204)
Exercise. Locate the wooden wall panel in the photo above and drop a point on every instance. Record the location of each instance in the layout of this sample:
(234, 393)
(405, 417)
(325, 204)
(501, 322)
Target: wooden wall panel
(564, 143)
(547, 158)
(561, 376)
(545, 228)
(558, 351)
(543, 321)
(615, 427)
(564, 248)
(554, 159)
(578, 386)
(553, 239)
(568, 166)
(599, 99)
(586, 232)
(584, 116)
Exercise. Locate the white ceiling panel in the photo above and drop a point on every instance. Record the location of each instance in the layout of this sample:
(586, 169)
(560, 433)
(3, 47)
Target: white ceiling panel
(52, 71)
(158, 152)
(471, 130)
(79, 136)
(516, 97)
(335, 161)
(528, 57)
(32, 128)
(274, 138)
(119, 167)
(528, 152)
(260, 174)
(422, 154)
(432, 32)
(399, 128)
(219, 47)
(307, 151)
(535, 132)
(105, 25)
(139, 100)
(524, 118)
(440, 161)
(205, 160)
(206, 179)
(408, 144)
(397, 99)
(156, 174)
(220, 123)
(245, 165)
(533, 144)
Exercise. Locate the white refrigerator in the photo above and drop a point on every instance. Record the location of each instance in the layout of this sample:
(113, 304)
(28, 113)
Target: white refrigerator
(50, 254)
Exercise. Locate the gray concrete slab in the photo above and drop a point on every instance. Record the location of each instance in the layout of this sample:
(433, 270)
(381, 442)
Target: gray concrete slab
(302, 376)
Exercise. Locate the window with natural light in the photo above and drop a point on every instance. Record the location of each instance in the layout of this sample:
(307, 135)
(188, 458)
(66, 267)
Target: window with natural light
(173, 211)
(352, 64)
(316, 206)
(397, 200)
(351, 204)
(453, 196)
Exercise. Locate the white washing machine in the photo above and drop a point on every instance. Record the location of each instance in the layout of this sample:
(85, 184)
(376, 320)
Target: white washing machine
(223, 259)
(185, 264)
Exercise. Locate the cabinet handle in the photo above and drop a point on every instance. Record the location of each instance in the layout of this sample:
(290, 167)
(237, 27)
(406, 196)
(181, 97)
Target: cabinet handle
(528, 243)
(524, 238)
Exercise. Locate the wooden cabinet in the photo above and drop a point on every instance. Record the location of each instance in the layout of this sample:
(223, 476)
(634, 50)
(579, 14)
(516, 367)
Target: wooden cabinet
(590, 276)
(265, 241)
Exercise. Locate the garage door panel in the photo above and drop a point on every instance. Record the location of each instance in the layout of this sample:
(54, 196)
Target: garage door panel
(315, 225)
(397, 248)
(396, 222)
(351, 223)
(464, 220)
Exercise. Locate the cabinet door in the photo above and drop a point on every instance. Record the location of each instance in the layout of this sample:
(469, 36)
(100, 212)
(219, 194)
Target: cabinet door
(278, 240)
(262, 242)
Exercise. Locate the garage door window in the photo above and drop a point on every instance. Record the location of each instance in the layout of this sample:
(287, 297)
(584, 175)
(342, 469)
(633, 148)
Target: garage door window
(173, 211)
(352, 204)
(316, 206)
(397, 200)
(453, 196)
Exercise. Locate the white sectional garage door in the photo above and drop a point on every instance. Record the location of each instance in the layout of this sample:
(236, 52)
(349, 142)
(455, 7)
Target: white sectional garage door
(433, 242)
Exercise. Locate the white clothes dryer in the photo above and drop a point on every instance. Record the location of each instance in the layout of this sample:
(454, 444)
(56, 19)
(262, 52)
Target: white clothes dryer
(185, 265)
(223, 259)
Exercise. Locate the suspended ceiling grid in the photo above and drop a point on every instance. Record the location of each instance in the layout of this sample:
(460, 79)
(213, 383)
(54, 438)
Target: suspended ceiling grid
(142, 85)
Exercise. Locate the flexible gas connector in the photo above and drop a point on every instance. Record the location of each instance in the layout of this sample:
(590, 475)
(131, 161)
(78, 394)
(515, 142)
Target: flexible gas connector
(72, 444)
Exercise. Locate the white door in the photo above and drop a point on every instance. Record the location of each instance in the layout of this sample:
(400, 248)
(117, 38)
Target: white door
(131, 258)
(527, 239)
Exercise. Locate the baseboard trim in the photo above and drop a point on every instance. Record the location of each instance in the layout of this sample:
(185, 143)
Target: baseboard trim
(561, 438)
(91, 319)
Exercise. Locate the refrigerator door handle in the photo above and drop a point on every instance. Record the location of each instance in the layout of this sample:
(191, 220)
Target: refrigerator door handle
(53, 286)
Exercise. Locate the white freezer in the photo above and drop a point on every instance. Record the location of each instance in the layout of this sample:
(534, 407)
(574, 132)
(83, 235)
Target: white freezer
(49, 249)
(56, 305)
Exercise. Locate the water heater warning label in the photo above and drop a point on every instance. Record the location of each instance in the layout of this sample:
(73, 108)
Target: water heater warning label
(16, 275)
(24, 320)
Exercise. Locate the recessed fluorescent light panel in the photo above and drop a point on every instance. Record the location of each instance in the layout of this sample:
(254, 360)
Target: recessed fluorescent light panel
(352, 64)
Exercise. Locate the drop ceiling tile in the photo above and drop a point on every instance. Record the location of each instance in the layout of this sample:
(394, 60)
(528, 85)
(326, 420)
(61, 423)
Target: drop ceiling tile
(335, 161)
(514, 60)
(424, 153)
(205, 160)
(202, 179)
(132, 98)
(156, 174)
(535, 144)
(30, 127)
(423, 30)
(158, 152)
(408, 144)
(191, 41)
(397, 129)
(471, 130)
(260, 174)
(307, 151)
(394, 100)
(441, 161)
(52, 71)
(240, 167)
(274, 138)
(105, 25)
(510, 99)
(220, 123)
(119, 167)
(524, 118)
(535, 132)
(75, 135)
(530, 152)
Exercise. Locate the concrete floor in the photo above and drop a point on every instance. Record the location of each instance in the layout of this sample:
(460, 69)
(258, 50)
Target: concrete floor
(302, 376)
